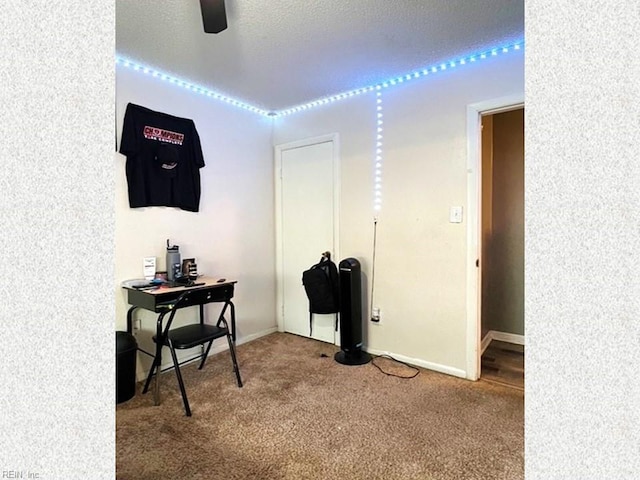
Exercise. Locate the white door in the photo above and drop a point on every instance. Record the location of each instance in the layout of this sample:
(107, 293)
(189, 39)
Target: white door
(307, 221)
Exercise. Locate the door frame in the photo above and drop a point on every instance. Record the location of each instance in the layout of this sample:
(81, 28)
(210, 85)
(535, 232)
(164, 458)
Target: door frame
(278, 151)
(475, 111)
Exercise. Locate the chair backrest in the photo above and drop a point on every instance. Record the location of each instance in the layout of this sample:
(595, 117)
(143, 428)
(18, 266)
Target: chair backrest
(200, 296)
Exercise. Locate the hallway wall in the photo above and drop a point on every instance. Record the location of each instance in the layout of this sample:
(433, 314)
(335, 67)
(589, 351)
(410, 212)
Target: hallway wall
(503, 230)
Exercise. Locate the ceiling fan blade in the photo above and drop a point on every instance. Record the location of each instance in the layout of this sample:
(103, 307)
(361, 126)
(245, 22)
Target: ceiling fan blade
(214, 16)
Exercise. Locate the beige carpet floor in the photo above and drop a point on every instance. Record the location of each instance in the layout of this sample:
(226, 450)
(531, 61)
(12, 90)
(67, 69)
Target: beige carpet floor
(301, 415)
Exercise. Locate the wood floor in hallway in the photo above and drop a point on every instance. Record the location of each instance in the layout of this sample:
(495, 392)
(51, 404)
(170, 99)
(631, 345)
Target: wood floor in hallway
(503, 363)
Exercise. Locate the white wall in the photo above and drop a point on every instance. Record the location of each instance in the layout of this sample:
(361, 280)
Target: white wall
(232, 235)
(420, 276)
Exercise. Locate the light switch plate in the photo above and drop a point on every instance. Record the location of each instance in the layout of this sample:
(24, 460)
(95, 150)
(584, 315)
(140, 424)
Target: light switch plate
(455, 215)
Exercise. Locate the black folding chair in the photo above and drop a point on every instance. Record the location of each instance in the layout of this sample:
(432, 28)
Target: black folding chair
(193, 335)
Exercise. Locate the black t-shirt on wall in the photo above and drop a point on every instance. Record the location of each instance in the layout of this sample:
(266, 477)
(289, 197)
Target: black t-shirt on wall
(164, 157)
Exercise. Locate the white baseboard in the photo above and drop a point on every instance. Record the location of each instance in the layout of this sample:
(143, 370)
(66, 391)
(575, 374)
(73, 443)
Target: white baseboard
(501, 337)
(508, 337)
(436, 367)
(485, 342)
(255, 336)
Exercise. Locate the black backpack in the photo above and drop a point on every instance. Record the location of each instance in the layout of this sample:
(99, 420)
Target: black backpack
(321, 284)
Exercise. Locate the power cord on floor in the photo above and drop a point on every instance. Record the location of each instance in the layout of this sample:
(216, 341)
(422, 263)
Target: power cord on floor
(373, 361)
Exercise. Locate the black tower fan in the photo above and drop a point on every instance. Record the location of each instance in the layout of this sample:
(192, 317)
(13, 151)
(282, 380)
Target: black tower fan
(351, 315)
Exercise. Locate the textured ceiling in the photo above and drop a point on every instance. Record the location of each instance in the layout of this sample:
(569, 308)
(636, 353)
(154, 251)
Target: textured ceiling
(279, 53)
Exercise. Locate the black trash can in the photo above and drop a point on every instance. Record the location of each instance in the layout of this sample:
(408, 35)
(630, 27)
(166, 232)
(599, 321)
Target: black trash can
(126, 353)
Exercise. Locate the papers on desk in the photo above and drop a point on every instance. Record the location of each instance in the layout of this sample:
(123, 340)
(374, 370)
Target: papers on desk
(141, 284)
(136, 282)
(157, 284)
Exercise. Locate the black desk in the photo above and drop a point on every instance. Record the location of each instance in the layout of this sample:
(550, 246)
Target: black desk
(160, 301)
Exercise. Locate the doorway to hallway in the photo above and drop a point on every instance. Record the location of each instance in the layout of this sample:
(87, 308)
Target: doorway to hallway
(502, 247)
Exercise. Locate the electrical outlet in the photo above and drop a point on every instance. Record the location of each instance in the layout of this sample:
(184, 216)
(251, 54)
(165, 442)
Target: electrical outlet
(375, 315)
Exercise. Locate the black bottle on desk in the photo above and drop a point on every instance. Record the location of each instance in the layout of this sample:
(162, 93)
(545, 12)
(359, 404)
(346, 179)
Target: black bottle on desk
(173, 261)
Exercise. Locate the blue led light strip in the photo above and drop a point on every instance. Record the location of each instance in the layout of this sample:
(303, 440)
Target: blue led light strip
(377, 164)
(439, 67)
(190, 86)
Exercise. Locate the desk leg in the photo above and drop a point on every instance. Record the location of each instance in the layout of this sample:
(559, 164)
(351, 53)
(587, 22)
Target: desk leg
(233, 321)
(159, 344)
(202, 323)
